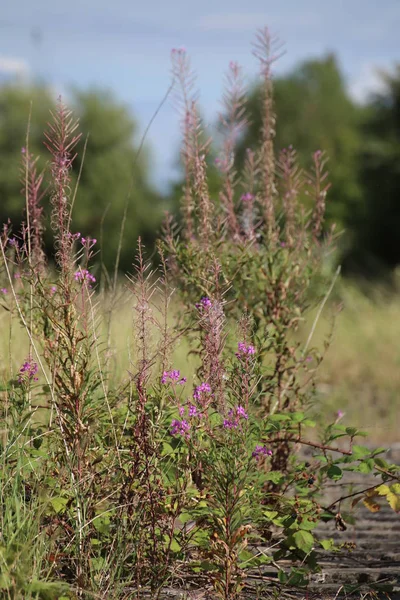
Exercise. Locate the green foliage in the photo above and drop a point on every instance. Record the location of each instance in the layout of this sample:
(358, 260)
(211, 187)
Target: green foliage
(314, 111)
(378, 220)
(112, 171)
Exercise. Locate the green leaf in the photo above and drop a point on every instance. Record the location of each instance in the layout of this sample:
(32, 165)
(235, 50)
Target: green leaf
(282, 576)
(360, 452)
(166, 449)
(327, 544)
(334, 473)
(274, 476)
(351, 431)
(175, 547)
(367, 466)
(59, 503)
(270, 514)
(278, 417)
(380, 462)
(303, 540)
(95, 542)
(308, 525)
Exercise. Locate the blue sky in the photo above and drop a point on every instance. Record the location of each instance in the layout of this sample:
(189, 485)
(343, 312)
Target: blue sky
(125, 45)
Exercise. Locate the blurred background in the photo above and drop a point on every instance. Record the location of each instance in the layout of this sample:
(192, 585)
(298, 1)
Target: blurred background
(337, 87)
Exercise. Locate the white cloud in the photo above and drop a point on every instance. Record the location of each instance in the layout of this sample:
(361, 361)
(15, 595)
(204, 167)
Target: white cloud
(13, 66)
(367, 82)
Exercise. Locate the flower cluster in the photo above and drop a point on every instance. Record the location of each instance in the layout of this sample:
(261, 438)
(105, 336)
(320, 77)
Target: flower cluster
(73, 236)
(234, 417)
(247, 197)
(204, 303)
(180, 428)
(244, 349)
(84, 275)
(28, 371)
(201, 390)
(181, 50)
(174, 376)
(260, 451)
(89, 242)
(192, 411)
(3, 291)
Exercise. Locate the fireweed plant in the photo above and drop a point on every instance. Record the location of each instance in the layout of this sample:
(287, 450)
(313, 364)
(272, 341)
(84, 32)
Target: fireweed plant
(117, 489)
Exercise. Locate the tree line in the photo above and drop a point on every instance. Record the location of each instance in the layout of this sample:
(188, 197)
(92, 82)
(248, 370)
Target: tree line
(314, 111)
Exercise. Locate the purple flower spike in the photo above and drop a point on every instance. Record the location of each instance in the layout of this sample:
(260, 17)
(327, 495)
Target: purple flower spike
(261, 451)
(84, 275)
(234, 417)
(28, 371)
(228, 424)
(180, 428)
(204, 303)
(173, 376)
(89, 242)
(200, 390)
(244, 349)
(193, 411)
(241, 412)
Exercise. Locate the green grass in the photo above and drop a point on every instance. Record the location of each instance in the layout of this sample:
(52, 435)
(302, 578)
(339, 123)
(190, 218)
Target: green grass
(360, 374)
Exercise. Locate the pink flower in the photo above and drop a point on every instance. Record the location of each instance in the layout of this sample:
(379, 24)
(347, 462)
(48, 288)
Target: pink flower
(3, 290)
(28, 371)
(180, 428)
(181, 50)
(89, 242)
(201, 390)
(247, 197)
(173, 376)
(234, 417)
(244, 349)
(240, 412)
(84, 275)
(261, 451)
(204, 303)
(193, 411)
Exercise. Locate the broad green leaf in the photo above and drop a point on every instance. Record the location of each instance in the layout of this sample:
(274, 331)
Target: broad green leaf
(303, 540)
(360, 452)
(334, 472)
(328, 544)
(59, 503)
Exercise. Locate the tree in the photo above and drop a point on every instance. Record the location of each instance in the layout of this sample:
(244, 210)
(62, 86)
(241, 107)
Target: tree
(315, 112)
(112, 168)
(377, 244)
